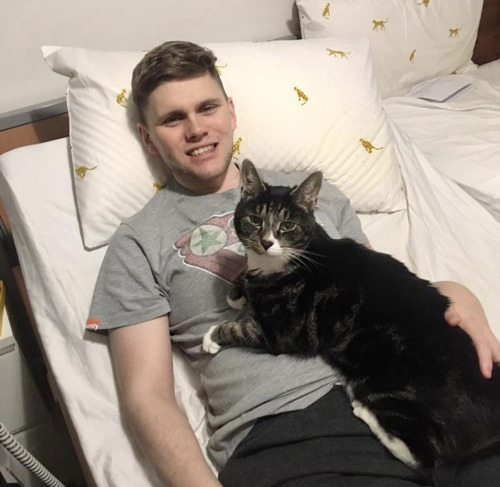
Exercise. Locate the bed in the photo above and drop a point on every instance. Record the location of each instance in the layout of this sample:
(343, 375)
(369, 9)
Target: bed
(461, 136)
(432, 198)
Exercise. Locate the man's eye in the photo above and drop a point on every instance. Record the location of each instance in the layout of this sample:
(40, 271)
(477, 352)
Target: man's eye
(255, 220)
(208, 108)
(287, 226)
(172, 120)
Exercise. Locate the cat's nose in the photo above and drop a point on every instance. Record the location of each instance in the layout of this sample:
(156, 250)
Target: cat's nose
(266, 244)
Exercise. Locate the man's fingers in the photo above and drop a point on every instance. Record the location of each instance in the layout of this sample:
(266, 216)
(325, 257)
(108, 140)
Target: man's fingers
(452, 316)
(485, 360)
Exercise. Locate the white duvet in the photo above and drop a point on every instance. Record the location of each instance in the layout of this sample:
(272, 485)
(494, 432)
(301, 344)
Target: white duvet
(443, 234)
(460, 137)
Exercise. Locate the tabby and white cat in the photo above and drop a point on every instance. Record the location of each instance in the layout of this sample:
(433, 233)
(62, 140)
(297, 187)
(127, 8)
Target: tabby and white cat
(411, 377)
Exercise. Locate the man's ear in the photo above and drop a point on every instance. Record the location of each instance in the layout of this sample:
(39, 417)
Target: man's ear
(146, 139)
(232, 112)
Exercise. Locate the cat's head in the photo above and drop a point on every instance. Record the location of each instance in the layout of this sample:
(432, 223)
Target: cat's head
(275, 223)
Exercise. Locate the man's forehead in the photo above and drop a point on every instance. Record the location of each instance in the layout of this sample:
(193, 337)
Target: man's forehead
(184, 94)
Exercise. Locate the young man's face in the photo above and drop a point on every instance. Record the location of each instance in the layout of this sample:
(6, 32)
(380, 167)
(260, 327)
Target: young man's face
(190, 124)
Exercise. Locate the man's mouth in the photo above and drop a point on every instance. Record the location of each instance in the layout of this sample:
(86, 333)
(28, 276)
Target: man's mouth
(202, 150)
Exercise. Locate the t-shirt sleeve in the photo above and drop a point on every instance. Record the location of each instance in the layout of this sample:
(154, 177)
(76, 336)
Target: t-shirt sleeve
(339, 207)
(126, 291)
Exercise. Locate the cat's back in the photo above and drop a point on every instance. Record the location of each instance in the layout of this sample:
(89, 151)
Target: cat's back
(348, 260)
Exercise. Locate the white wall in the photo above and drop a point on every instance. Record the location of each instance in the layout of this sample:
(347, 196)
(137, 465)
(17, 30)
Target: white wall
(25, 25)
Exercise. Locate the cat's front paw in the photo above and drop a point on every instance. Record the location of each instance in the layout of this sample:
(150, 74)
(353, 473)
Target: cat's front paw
(238, 303)
(356, 407)
(209, 345)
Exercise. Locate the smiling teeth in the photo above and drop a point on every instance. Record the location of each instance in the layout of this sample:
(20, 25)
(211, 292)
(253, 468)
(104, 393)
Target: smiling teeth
(202, 150)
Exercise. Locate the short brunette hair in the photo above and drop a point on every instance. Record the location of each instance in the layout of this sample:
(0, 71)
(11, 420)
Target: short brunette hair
(170, 61)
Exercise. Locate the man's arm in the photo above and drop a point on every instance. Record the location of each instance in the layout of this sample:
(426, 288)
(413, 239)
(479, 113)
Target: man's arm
(142, 359)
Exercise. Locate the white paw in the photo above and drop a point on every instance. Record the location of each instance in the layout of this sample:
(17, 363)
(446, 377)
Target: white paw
(209, 346)
(237, 303)
(360, 411)
(356, 404)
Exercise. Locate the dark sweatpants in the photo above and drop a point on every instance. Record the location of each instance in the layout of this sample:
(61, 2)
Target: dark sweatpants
(325, 445)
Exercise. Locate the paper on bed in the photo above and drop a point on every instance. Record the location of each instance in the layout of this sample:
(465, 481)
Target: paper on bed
(433, 236)
(441, 89)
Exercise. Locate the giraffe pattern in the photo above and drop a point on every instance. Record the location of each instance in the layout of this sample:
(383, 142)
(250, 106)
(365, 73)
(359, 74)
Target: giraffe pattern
(326, 11)
(81, 171)
(121, 98)
(236, 147)
(368, 146)
(303, 98)
(342, 54)
(379, 25)
(219, 68)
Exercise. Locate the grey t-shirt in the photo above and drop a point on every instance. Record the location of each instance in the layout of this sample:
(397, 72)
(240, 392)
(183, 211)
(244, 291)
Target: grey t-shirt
(179, 256)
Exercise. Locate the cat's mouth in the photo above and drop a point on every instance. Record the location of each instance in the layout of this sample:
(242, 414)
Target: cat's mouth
(272, 251)
(201, 151)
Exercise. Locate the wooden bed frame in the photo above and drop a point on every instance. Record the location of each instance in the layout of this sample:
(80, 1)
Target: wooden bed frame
(18, 306)
(52, 127)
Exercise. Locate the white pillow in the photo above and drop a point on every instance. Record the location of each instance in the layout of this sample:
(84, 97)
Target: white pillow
(411, 41)
(299, 108)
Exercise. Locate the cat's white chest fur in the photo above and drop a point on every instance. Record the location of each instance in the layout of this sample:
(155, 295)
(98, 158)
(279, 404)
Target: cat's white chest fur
(274, 260)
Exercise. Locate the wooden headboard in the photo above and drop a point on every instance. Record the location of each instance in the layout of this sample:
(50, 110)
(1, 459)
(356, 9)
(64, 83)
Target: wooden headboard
(43, 130)
(487, 47)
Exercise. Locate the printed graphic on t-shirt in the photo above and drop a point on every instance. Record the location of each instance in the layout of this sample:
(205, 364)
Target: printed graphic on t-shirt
(214, 247)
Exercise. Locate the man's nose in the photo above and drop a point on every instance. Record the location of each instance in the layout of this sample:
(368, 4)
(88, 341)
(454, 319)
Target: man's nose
(195, 128)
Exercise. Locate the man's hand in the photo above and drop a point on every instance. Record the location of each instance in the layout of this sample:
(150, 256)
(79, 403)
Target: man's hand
(467, 313)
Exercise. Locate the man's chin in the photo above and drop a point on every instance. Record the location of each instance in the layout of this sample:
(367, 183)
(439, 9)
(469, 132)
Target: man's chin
(190, 179)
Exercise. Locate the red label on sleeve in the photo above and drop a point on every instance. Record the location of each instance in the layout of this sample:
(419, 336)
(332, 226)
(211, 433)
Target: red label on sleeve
(93, 323)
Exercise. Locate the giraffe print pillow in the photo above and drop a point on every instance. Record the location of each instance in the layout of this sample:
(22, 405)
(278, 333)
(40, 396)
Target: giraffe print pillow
(411, 40)
(301, 105)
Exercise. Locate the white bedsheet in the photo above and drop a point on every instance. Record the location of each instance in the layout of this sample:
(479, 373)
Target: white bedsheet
(460, 137)
(443, 234)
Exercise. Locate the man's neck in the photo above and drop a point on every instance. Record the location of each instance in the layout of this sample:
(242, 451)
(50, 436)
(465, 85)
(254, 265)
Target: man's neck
(229, 180)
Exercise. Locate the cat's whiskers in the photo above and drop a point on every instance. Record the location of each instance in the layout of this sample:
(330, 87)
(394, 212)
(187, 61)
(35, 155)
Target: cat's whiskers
(250, 244)
(300, 257)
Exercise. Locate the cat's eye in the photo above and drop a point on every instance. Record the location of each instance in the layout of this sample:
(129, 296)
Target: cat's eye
(288, 226)
(255, 220)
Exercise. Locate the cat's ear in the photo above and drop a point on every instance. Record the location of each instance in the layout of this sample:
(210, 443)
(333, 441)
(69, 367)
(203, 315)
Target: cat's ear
(251, 184)
(305, 195)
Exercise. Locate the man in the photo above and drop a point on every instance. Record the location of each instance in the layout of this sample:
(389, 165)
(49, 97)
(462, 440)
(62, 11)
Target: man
(166, 275)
